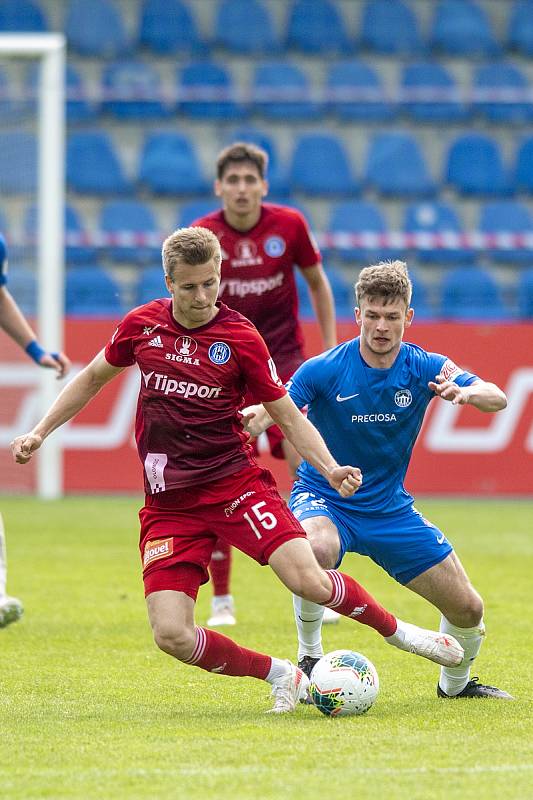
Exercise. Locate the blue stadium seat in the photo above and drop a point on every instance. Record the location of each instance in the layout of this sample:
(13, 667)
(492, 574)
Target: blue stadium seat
(277, 177)
(134, 91)
(343, 292)
(79, 108)
(168, 27)
(198, 208)
(521, 27)
(281, 91)
(396, 166)
(436, 218)
(355, 92)
(169, 165)
(12, 106)
(151, 285)
(245, 27)
(525, 294)
(420, 298)
(358, 217)
(524, 166)
(316, 27)
(431, 94)
(96, 28)
(390, 27)
(79, 253)
(92, 292)
(471, 293)
(305, 310)
(494, 86)
(130, 217)
(18, 162)
(22, 284)
(321, 166)
(507, 216)
(474, 166)
(93, 166)
(462, 28)
(22, 16)
(211, 90)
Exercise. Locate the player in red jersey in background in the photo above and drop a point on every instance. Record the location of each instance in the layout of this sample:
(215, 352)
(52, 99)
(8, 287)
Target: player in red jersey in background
(261, 245)
(200, 475)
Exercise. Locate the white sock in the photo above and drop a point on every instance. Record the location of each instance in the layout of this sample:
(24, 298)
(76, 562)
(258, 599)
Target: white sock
(308, 618)
(3, 560)
(454, 679)
(278, 669)
(222, 600)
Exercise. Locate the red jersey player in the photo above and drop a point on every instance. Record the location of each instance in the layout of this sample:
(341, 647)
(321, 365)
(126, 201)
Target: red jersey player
(261, 245)
(196, 358)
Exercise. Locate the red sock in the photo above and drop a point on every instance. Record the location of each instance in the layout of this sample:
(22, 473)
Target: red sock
(217, 653)
(220, 567)
(350, 599)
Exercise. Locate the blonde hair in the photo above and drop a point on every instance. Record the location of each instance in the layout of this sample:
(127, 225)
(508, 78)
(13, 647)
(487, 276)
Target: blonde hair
(388, 280)
(190, 247)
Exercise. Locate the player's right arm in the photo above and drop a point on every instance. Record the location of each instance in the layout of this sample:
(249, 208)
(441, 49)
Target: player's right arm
(312, 447)
(75, 396)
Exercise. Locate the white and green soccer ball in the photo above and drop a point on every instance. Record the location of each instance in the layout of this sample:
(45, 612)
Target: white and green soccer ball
(343, 683)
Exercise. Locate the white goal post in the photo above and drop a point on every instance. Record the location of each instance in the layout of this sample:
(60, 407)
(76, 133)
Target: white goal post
(50, 50)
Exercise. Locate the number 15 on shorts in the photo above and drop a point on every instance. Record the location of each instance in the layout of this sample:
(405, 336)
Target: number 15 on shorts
(264, 519)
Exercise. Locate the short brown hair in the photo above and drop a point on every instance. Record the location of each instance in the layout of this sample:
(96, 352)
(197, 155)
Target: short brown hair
(238, 153)
(190, 246)
(388, 280)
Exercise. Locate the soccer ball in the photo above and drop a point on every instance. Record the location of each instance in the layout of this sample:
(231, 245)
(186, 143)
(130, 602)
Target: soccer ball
(343, 683)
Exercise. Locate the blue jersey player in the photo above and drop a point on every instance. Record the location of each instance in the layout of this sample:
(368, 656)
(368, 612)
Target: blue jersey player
(368, 397)
(13, 322)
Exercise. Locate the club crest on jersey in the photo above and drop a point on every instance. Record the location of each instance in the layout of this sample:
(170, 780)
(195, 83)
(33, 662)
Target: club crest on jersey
(219, 353)
(403, 398)
(274, 246)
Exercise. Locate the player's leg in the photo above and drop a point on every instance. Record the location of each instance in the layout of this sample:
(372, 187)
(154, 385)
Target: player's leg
(324, 539)
(297, 567)
(171, 615)
(447, 586)
(11, 608)
(222, 604)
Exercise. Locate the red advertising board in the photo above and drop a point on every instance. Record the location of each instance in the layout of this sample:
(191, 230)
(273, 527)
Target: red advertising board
(460, 451)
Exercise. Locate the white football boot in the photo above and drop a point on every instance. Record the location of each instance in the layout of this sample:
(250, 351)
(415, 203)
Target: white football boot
(289, 690)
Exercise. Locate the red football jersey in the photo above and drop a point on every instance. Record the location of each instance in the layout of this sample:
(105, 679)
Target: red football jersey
(258, 276)
(193, 382)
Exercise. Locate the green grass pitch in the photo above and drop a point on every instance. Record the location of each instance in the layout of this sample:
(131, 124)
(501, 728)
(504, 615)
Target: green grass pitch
(89, 708)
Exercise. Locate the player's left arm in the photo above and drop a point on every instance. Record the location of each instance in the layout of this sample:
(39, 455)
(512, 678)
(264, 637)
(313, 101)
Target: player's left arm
(14, 323)
(322, 299)
(482, 395)
(312, 447)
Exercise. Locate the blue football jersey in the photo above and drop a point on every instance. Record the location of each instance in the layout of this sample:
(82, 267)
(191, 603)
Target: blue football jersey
(3, 261)
(368, 417)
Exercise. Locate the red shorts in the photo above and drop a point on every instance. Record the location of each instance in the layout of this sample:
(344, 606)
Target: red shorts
(179, 528)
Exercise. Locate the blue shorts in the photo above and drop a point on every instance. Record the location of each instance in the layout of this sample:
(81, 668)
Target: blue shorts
(404, 543)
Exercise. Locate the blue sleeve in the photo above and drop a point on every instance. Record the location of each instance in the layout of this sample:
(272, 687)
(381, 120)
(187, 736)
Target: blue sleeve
(442, 365)
(301, 386)
(3, 261)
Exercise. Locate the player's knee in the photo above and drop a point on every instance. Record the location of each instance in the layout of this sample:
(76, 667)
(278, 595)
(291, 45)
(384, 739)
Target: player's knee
(469, 610)
(175, 640)
(324, 553)
(314, 587)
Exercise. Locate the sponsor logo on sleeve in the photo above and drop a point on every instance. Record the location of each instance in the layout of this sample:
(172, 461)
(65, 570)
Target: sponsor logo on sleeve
(449, 371)
(160, 548)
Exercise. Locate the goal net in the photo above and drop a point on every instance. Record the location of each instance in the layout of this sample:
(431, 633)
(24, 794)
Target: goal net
(32, 132)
